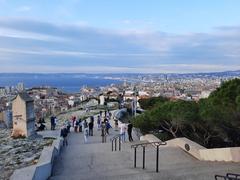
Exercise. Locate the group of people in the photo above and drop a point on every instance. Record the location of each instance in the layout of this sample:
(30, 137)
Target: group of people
(40, 125)
(53, 121)
(126, 128)
(78, 125)
(103, 125)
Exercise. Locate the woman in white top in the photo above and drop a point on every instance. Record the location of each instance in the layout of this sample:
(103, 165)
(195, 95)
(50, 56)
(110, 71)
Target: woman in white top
(123, 129)
(86, 135)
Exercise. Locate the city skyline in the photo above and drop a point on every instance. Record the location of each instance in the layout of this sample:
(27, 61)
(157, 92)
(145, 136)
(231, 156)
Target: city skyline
(82, 36)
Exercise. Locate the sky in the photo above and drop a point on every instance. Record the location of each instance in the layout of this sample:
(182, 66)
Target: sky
(119, 36)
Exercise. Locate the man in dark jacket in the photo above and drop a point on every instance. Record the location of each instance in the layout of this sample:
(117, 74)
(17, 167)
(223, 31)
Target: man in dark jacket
(64, 133)
(52, 123)
(130, 126)
(90, 126)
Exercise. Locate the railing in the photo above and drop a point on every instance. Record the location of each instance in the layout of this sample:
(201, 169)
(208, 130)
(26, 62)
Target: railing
(229, 176)
(114, 142)
(144, 145)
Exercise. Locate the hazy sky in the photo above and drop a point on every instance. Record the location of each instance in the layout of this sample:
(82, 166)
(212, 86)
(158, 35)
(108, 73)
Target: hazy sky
(119, 35)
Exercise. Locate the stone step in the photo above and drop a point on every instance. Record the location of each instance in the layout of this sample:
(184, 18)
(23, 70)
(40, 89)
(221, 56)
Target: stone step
(140, 174)
(120, 164)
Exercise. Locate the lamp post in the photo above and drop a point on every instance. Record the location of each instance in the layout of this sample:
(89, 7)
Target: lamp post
(135, 100)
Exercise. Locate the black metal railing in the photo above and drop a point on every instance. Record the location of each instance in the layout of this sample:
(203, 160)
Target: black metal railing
(228, 176)
(114, 142)
(144, 145)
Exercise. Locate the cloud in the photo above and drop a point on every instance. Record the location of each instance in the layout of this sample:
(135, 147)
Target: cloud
(167, 68)
(12, 33)
(24, 8)
(44, 44)
(72, 53)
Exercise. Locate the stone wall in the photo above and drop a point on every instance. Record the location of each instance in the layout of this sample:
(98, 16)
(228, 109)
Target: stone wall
(221, 154)
(43, 169)
(231, 154)
(188, 146)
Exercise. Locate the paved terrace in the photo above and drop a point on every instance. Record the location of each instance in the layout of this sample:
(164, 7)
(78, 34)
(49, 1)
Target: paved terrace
(95, 160)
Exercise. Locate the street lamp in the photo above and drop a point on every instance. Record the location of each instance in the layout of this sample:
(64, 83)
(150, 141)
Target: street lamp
(135, 101)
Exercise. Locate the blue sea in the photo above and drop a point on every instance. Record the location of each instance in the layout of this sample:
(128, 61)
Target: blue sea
(70, 83)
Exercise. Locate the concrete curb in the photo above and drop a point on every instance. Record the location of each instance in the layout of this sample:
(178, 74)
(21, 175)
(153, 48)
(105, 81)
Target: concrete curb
(43, 169)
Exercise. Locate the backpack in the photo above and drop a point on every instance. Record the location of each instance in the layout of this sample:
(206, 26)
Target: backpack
(108, 126)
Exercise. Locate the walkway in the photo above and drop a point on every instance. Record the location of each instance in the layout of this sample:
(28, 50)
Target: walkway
(96, 161)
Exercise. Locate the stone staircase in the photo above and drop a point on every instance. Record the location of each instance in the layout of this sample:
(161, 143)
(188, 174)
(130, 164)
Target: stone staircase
(95, 160)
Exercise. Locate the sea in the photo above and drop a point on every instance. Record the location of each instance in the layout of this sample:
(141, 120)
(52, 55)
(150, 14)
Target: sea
(69, 83)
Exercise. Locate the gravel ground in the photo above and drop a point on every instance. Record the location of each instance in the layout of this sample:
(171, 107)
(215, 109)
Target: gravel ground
(18, 153)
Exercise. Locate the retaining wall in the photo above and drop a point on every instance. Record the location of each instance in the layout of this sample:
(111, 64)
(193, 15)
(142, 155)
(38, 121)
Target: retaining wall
(231, 154)
(43, 169)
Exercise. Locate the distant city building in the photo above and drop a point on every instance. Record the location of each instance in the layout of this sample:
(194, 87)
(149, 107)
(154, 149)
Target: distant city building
(8, 89)
(102, 99)
(20, 87)
(23, 115)
(205, 94)
(7, 116)
(2, 91)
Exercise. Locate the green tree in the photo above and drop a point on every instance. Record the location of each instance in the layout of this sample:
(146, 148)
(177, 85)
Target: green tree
(152, 102)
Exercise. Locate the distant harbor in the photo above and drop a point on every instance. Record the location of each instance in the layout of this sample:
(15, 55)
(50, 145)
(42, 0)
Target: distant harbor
(70, 83)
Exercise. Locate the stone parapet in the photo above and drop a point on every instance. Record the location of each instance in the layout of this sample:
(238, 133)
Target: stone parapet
(230, 154)
(149, 138)
(221, 154)
(43, 169)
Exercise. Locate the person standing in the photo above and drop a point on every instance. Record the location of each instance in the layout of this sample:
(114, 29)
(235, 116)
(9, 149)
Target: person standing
(99, 122)
(55, 122)
(68, 125)
(108, 126)
(129, 130)
(73, 120)
(86, 134)
(103, 132)
(76, 123)
(64, 133)
(91, 128)
(52, 122)
(80, 125)
(116, 124)
(123, 132)
(84, 124)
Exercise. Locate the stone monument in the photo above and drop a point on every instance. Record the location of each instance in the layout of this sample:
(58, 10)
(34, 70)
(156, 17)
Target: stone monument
(23, 115)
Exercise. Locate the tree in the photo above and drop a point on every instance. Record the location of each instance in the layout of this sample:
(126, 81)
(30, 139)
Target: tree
(152, 102)
(212, 122)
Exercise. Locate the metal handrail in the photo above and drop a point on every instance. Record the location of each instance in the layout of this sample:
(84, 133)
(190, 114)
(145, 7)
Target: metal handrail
(218, 177)
(114, 139)
(233, 176)
(156, 143)
(144, 145)
(229, 176)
